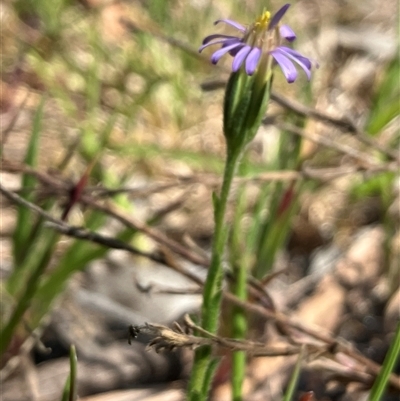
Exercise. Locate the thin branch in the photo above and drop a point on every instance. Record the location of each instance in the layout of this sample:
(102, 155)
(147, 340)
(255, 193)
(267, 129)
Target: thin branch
(131, 222)
(345, 123)
(323, 140)
(168, 339)
(105, 240)
(78, 232)
(13, 197)
(152, 288)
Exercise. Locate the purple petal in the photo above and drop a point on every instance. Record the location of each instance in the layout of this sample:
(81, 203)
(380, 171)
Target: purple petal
(296, 54)
(232, 23)
(252, 60)
(216, 36)
(234, 51)
(240, 57)
(278, 16)
(302, 61)
(225, 42)
(219, 53)
(287, 67)
(287, 32)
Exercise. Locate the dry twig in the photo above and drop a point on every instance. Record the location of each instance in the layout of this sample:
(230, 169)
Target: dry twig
(168, 339)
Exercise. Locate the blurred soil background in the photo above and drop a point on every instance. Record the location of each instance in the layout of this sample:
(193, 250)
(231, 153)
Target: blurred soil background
(130, 105)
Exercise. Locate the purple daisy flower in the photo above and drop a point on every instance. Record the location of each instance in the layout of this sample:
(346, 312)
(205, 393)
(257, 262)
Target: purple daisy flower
(263, 37)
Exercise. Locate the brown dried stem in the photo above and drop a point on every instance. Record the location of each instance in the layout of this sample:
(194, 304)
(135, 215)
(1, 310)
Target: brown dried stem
(168, 339)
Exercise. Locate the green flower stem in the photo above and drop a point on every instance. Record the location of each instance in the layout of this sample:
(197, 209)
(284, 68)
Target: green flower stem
(240, 257)
(239, 325)
(201, 378)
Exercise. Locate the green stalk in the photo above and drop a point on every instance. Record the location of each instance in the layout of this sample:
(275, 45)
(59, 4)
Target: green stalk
(239, 325)
(212, 294)
(245, 104)
(240, 256)
(70, 391)
(389, 363)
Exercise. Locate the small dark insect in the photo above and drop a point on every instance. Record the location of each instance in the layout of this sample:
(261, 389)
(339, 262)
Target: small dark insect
(133, 332)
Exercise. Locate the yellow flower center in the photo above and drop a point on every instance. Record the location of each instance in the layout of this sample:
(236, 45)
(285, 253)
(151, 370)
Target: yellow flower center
(257, 34)
(262, 21)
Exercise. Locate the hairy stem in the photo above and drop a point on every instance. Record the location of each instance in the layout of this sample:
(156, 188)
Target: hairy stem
(212, 294)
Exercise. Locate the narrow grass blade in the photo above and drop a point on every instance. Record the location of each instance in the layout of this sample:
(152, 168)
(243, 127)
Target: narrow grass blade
(385, 106)
(40, 251)
(389, 363)
(25, 298)
(294, 379)
(70, 388)
(23, 227)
